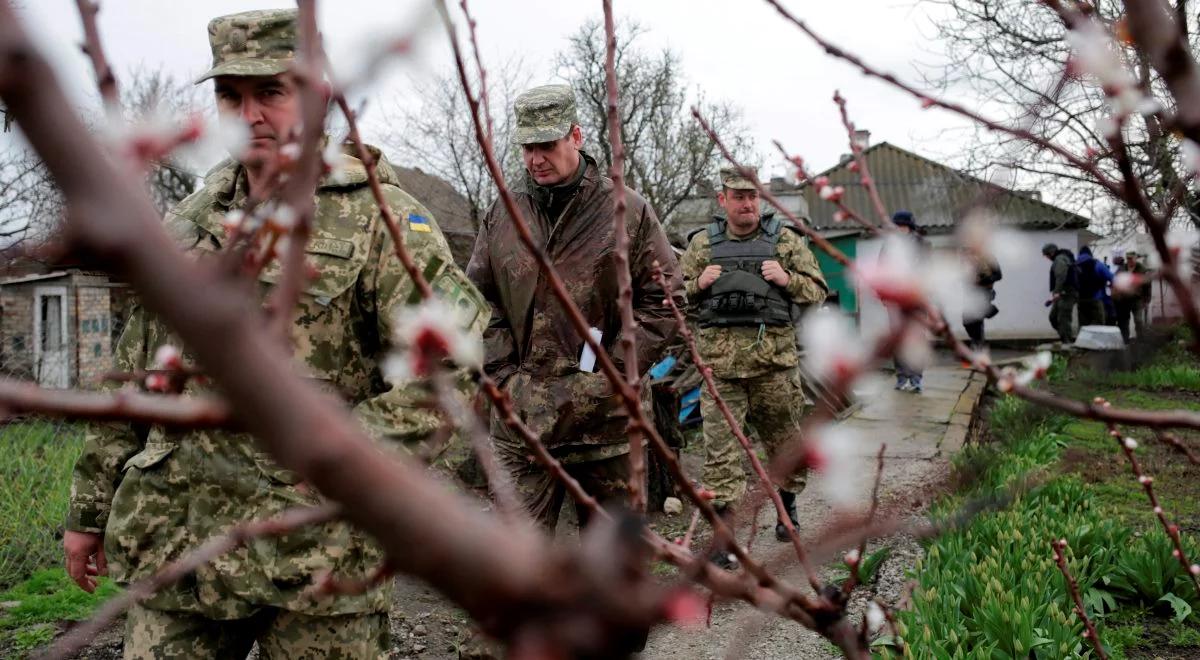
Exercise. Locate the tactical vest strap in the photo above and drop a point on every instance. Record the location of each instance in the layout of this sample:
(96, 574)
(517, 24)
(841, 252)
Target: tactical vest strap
(716, 232)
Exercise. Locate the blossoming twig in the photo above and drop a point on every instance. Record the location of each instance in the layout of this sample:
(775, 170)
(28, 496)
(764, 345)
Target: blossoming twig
(1073, 588)
(105, 79)
(852, 581)
(1128, 445)
(296, 195)
(864, 172)
(637, 459)
(844, 212)
(175, 412)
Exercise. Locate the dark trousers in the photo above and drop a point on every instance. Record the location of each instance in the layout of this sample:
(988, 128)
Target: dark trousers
(975, 332)
(1127, 309)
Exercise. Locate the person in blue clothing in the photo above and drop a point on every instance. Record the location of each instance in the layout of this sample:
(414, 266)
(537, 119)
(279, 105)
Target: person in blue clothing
(1094, 278)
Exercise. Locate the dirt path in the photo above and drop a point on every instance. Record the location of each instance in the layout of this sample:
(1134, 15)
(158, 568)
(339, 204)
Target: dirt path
(921, 432)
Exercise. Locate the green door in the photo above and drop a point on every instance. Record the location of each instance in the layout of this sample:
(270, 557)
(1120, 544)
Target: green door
(835, 273)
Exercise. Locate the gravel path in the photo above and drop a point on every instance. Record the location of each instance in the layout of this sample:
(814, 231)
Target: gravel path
(921, 431)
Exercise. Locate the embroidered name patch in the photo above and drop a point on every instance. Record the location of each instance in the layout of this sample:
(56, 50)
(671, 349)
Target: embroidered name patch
(418, 223)
(330, 246)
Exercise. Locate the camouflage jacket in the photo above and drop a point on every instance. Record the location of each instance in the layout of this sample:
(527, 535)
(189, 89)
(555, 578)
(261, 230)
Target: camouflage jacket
(737, 352)
(157, 495)
(530, 337)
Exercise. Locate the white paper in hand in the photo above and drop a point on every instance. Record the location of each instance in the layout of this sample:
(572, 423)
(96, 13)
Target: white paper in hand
(587, 357)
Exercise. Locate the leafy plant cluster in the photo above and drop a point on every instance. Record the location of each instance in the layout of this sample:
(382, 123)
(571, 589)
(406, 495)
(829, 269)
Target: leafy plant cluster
(992, 589)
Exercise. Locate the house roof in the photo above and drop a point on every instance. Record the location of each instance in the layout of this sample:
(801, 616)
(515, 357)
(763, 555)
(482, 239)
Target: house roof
(35, 277)
(938, 195)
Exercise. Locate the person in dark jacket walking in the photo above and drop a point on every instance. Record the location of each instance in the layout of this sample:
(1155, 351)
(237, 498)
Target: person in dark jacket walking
(987, 273)
(1064, 291)
(1094, 278)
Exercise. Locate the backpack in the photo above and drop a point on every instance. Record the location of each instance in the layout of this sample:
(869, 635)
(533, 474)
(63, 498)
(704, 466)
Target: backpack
(1090, 280)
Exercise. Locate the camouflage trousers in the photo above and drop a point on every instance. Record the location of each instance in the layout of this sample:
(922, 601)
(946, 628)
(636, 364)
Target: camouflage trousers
(773, 405)
(158, 635)
(1062, 318)
(603, 477)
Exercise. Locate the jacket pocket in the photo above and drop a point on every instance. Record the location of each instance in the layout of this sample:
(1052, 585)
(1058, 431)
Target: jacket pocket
(149, 456)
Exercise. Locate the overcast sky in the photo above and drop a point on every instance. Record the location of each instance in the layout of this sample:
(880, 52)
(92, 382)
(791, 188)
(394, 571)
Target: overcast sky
(737, 51)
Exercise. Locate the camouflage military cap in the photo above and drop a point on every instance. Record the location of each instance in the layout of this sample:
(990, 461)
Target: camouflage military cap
(731, 177)
(252, 43)
(544, 114)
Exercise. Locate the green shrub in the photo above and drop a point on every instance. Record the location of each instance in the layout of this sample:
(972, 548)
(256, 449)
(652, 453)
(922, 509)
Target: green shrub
(35, 468)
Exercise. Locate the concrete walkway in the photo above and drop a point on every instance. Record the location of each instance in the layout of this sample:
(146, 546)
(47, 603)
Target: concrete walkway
(922, 431)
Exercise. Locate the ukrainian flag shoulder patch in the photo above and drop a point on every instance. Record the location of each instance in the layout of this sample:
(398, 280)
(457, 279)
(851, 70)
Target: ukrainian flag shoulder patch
(418, 223)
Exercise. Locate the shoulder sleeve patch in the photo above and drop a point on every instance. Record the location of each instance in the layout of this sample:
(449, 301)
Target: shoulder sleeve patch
(418, 223)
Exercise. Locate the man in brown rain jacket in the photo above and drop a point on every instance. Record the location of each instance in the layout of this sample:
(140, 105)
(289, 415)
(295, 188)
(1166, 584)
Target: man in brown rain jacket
(531, 346)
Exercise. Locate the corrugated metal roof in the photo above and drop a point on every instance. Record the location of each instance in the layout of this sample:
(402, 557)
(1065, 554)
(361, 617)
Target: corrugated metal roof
(939, 196)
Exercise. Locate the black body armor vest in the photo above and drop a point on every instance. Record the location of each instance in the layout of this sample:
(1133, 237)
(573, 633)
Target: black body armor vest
(741, 296)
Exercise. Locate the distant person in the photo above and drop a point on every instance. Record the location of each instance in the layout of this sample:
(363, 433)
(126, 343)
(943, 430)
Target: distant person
(987, 273)
(909, 377)
(1133, 303)
(1094, 278)
(1064, 291)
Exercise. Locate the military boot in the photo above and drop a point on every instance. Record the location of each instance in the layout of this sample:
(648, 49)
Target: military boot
(720, 556)
(789, 504)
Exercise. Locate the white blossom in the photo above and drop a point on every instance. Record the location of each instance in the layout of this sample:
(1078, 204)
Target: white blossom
(1191, 156)
(1125, 282)
(875, 617)
(167, 357)
(336, 161)
(1130, 444)
(283, 219)
(232, 221)
(833, 453)
(832, 345)
(427, 334)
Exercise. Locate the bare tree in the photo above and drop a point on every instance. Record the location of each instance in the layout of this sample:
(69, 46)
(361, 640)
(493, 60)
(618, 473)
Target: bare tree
(436, 135)
(151, 93)
(30, 205)
(1010, 57)
(667, 154)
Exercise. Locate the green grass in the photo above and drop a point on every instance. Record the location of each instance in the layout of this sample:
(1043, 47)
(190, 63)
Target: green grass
(49, 595)
(1158, 377)
(35, 468)
(42, 601)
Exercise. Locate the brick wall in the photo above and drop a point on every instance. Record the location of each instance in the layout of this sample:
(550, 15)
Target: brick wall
(93, 331)
(16, 331)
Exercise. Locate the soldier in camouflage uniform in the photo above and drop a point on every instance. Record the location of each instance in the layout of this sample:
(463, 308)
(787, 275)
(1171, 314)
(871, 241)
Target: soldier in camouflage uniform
(530, 345)
(142, 500)
(745, 275)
